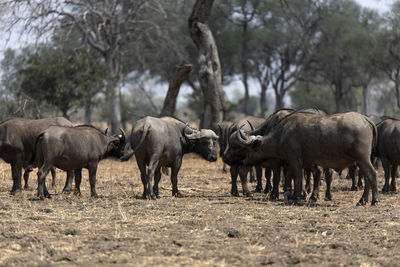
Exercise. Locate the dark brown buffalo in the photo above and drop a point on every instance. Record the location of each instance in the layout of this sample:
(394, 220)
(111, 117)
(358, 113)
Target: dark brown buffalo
(227, 129)
(162, 142)
(74, 148)
(388, 150)
(333, 141)
(18, 138)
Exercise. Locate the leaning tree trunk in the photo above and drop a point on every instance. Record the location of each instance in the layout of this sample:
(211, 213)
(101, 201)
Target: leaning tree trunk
(113, 93)
(180, 75)
(263, 100)
(209, 65)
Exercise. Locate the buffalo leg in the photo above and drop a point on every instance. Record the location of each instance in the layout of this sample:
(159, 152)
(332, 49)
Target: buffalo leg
(16, 172)
(352, 175)
(360, 176)
(42, 190)
(243, 179)
(316, 184)
(234, 173)
(92, 180)
(328, 181)
(252, 172)
(78, 180)
(68, 182)
(307, 172)
(142, 168)
(370, 182)
(393, 183)
(53, 177)
(298, 179)
(276, 170)
(157, 178)
(386, 168)
(268, 185)
(26, 179)
(259, 186)
(174, 178)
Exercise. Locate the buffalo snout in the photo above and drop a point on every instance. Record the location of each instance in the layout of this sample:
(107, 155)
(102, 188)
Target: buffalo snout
(212, 157)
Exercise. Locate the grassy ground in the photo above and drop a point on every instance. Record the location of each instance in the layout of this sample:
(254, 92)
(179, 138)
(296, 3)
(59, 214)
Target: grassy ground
(206, 227)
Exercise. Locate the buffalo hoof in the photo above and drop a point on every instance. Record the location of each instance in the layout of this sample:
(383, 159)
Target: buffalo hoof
(354, 188)
(42, 198)
(94, 196)
(374, 202)
(385, 190)
(235, 194)
(361, 202)
(393, 188)
(258, 190)
(178, 194)
(267, 189)
(273, 197)
(328, 198)
(151, 197)
(313, 198)
(77, 193)
(308, 189)
(16, 191)
(26, 187)
(67, 191)
(247, 194)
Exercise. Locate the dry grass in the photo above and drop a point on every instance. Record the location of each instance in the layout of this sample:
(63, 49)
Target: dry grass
(206, 227)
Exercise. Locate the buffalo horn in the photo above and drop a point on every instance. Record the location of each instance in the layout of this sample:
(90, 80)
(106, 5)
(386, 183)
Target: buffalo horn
(241, 137)
(191, 135)
(251, 126)
(123, 134)
(106, 132)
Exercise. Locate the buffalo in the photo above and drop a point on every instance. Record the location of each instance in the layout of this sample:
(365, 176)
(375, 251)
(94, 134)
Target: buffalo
(162, 142)
(73, 149)
(18, 137)
(388, 150)
(332, 141)
(226, 129)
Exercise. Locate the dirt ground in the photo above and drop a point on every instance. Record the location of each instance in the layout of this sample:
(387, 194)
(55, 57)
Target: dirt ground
(207, 227)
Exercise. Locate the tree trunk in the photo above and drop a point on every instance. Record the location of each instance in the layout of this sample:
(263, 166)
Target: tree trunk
(180, 75)
(244, 59)
(263, 99)
(88, 112)
(365, 100)
(338, 97)
(113, 93)
(279, 104)
(210, 67)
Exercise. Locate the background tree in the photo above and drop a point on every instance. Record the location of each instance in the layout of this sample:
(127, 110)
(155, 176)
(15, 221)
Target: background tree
(210, 67)
(387, 49)
(106, 26)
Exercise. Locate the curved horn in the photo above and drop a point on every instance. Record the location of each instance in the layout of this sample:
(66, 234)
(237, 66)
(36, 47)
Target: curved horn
(241, 137)
(251, 126)
(123, 138)
(106, 132)
(191, 135)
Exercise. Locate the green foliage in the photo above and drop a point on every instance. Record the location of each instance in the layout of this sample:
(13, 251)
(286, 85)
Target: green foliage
(59, 77)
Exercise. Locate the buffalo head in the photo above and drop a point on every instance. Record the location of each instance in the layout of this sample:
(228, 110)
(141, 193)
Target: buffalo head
(203, 142)
(240, 146)
(117, 145)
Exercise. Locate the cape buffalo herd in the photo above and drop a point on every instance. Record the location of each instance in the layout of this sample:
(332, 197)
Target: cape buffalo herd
(299, 142)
